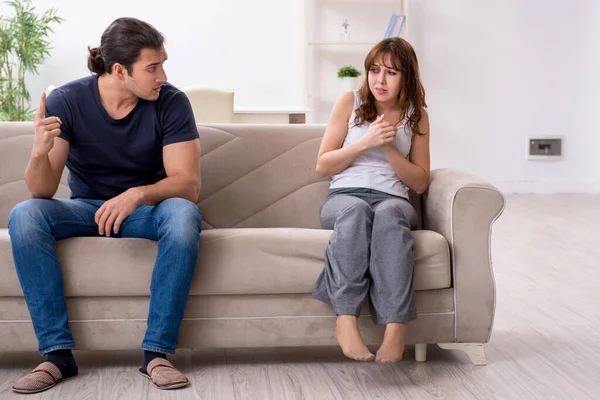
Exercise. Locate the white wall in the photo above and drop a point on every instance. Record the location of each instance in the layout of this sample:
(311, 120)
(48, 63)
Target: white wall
(499, 71)
(593, 100)
(495, 71)
(253, 47)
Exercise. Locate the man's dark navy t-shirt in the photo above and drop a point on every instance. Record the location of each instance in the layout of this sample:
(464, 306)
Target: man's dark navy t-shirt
(108, 156)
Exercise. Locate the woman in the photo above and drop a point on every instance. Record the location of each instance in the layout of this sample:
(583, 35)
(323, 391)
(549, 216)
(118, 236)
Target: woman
(376, 147)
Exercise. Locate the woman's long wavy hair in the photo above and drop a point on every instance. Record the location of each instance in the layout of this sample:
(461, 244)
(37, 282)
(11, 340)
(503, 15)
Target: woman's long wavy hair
(404, 60)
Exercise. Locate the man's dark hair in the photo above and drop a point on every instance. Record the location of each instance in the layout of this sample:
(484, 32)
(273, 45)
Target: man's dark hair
(122, 42)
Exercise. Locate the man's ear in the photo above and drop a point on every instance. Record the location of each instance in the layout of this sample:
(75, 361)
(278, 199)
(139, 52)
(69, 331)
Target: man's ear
(119, 71)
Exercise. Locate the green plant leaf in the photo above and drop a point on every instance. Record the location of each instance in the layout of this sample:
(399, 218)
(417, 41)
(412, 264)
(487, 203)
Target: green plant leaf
(348, 71)
(24, 45)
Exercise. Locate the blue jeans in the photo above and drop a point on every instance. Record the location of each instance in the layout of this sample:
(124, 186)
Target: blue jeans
(35, 226)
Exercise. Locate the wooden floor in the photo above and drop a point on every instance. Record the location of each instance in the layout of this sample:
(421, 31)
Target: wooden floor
(545, 342)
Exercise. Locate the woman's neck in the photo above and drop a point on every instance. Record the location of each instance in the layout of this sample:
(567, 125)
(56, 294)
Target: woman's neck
(388, 108)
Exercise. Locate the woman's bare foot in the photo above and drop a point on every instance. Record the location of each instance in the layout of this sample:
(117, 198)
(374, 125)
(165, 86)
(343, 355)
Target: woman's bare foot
(393, 344)
(349, 339)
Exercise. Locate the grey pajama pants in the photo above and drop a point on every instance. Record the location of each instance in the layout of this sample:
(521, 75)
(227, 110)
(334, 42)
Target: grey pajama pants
(370, 252)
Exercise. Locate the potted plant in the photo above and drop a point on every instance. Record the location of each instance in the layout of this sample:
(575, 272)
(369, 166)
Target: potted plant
(24, 45)
(348, 76)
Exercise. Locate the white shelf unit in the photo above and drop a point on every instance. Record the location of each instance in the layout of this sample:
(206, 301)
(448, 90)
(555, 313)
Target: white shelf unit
(327, 49)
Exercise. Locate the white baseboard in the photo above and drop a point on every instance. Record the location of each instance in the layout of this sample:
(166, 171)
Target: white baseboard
(547, 187)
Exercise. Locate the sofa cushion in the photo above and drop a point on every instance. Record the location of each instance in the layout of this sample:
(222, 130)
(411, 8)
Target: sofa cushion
(232, 261)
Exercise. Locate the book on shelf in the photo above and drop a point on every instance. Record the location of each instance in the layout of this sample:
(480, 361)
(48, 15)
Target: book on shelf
(395, 26)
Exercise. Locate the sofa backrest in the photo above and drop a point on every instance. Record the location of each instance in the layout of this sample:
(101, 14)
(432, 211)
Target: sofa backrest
(253, 176)
(261, 176)
(16, 139)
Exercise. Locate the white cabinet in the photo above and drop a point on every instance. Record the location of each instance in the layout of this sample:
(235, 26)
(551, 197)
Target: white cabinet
(328, 47)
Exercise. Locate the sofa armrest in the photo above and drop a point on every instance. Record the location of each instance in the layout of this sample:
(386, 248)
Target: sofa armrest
(462, 208)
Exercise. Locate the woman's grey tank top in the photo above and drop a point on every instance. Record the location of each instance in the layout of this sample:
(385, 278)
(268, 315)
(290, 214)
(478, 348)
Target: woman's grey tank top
(372, 170)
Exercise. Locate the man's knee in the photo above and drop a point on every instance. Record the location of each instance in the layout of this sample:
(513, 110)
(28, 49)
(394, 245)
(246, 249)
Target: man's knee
(180, 213)
(26, 214)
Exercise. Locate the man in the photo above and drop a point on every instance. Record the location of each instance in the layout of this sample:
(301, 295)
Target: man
(130, 143)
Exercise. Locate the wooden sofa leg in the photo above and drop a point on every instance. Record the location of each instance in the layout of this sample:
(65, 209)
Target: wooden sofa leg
(420, 352)
(475, 351)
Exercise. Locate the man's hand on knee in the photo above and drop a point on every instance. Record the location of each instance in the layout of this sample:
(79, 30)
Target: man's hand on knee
(114, 211)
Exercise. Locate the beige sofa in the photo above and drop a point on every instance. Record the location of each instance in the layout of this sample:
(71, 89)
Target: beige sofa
(260, 253)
